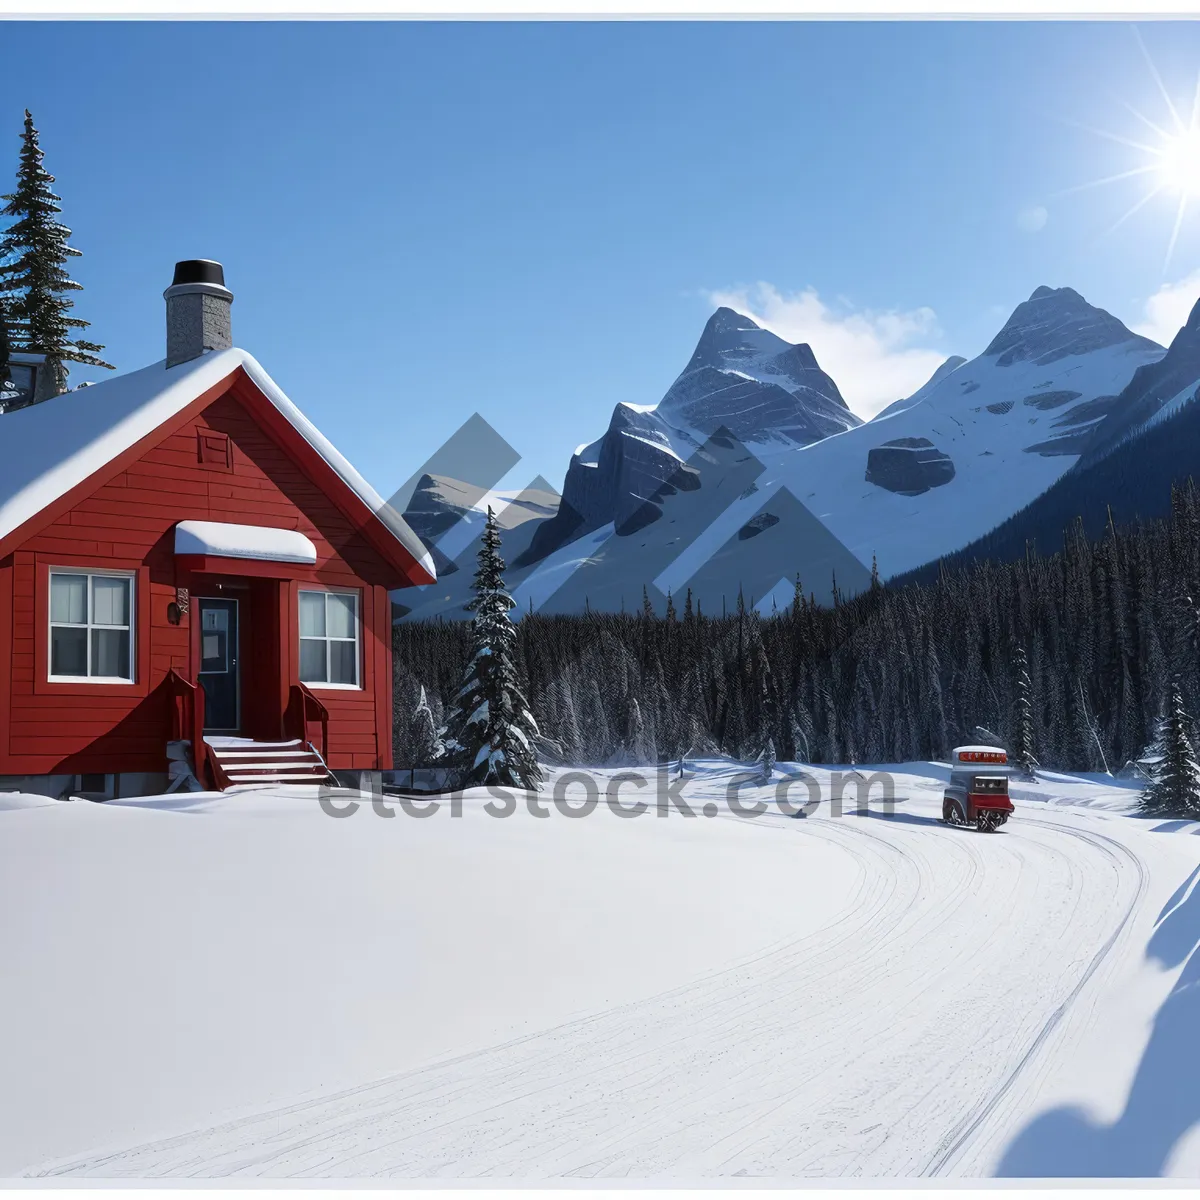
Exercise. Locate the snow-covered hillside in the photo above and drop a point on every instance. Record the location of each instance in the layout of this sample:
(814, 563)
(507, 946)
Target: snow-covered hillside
(1129, 468)
(715, 491)
(985, 440)
(239, 985)
(1155, 392)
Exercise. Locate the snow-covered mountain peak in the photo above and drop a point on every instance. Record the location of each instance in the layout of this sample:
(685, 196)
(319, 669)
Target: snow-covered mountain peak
(1193, 322)
(736, 344)
(731, 339)
(1055, 323)
(948, 367)
(755, 384)
(951, 364)
(742, 380)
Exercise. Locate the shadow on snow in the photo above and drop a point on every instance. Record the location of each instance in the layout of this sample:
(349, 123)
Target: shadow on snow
(1164, 1102)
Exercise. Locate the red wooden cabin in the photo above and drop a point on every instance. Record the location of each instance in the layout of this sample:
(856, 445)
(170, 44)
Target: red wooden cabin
(183, 556)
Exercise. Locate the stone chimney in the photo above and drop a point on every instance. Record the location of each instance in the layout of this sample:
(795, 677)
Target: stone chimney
(199, 311)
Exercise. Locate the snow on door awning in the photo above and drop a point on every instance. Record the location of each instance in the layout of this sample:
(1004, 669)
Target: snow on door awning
(219, 540)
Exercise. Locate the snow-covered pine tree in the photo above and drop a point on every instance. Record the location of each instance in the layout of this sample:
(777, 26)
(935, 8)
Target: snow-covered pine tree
(34, 251)
(801, 731)
(596, 735)
(426, 745)
(1175, 779)
(797, 599)
(1023, 715)
(5, 347)
(568, 730)
(766, 760)
(636, 741)
(490, 732)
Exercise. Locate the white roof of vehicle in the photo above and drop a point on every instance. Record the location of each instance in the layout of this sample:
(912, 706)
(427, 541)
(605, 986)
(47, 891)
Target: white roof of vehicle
(49, 448)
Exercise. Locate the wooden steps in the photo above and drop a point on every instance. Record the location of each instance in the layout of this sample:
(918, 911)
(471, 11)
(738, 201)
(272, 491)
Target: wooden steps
(241, 762)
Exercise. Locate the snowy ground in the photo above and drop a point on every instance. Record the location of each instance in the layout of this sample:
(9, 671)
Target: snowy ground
(243, 985)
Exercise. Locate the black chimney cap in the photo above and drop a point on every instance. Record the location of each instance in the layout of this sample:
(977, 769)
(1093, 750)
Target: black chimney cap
(199, 270)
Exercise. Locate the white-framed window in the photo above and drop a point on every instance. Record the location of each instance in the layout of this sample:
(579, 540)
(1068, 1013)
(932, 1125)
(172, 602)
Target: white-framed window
(329, 639)
(91, 626)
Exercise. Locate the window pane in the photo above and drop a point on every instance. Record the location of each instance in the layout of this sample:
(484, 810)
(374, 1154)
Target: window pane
(110, 601)
(343, 662)
(341, 615)
(110, 653)
(20, 387)
(214, 618)
(214, 651)
(68, 651)
(68, 599)
(312, 614)
(312, 661)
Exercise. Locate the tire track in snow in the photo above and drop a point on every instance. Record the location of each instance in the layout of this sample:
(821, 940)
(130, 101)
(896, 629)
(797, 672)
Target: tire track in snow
(720, 1076)
(960, 1138)
(746, 1117)
(874, 890)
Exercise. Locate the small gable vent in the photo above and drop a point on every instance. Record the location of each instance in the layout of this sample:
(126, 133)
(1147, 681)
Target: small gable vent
(213, 450)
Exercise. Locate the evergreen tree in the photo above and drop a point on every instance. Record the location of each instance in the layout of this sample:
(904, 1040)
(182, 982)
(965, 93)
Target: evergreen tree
(767, 760)
(802, 735)
(1023, 725)
(635, 735)
(568, 727)
(426, 745)
(596, 734)
(897, 676)
(34, 250)
(490, 732)
(1175, 778)
(5, 348)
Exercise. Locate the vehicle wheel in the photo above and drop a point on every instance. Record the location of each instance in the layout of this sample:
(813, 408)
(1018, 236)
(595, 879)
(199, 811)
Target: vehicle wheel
(983, 822)
(948, 813)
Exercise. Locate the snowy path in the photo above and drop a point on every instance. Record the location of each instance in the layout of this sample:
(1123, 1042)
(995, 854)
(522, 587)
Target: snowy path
(910, 1036)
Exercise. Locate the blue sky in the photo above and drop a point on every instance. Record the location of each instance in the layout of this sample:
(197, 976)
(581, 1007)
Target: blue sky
(533, 221)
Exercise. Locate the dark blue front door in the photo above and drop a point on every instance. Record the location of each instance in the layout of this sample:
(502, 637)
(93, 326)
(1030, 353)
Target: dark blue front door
(219, 673)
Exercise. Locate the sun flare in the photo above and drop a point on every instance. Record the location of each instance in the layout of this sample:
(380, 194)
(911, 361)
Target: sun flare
(1170, 152)
(1180, 162)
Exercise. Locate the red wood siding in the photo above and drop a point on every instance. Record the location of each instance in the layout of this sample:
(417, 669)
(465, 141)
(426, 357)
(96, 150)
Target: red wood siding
(127, 522)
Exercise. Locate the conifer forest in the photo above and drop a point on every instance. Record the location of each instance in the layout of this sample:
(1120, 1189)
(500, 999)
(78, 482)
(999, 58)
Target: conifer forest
(1091, 641)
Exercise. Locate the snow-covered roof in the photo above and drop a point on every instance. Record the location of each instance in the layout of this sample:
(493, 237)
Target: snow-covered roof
(47, 449)
(244, 541)
(990, 756)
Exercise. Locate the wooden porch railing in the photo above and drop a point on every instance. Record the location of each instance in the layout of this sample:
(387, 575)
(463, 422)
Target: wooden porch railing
(187, 717)
(305, 716)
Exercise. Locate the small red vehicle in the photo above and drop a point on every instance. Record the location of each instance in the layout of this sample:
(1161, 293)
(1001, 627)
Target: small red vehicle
(977, 793)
